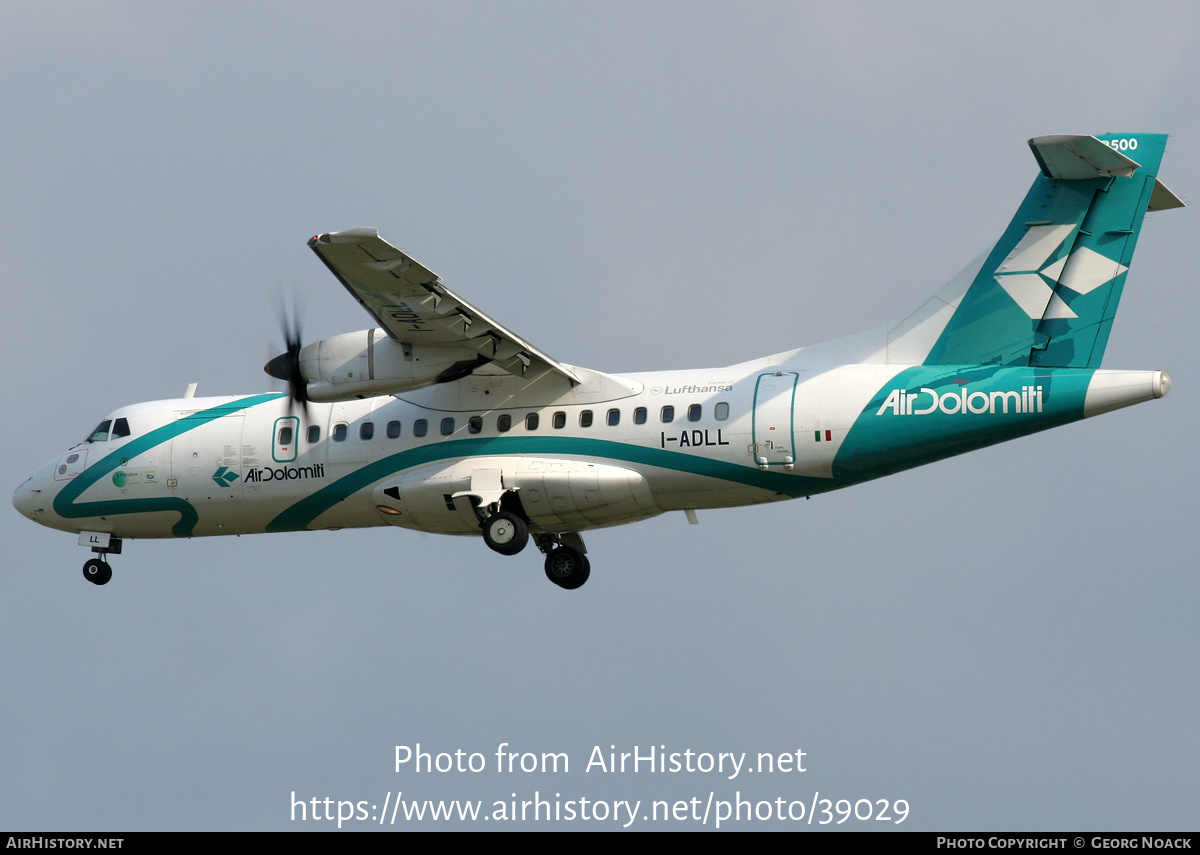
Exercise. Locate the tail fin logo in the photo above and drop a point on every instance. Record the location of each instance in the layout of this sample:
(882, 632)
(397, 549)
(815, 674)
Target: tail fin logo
(1024, 277)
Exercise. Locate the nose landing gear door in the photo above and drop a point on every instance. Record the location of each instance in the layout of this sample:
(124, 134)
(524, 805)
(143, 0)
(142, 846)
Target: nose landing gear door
(773, 431)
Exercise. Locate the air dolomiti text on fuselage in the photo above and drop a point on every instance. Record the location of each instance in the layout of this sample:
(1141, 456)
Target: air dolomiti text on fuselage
(902, 402)
(442, 420)
(284, 473)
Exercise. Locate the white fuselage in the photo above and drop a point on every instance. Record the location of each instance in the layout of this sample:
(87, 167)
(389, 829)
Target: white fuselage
(604, 453)
(608, 451)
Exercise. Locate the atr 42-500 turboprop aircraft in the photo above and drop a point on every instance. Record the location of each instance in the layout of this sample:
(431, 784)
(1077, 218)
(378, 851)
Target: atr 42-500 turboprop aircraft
(445, 421)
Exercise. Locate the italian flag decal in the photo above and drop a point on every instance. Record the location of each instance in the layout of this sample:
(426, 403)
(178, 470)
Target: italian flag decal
(828, 436)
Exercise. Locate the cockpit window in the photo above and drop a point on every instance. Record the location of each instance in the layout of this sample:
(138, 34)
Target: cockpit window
(120, 428)
(100, 434)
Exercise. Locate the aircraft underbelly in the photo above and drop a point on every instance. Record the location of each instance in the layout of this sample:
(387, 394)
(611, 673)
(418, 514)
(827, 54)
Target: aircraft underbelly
(575, 495)
(556, 495)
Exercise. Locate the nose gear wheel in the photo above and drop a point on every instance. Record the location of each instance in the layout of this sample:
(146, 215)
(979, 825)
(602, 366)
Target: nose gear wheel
(96, 571)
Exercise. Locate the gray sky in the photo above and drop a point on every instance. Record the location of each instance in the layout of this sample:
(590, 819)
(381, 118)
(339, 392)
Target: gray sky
(1005, 640)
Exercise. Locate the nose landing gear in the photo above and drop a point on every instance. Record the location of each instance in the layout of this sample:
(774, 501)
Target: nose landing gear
(97, 571)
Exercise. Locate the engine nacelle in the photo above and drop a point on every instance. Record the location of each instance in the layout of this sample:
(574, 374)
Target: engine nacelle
(368, 363)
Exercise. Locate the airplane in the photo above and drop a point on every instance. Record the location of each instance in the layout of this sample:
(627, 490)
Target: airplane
(439, 419)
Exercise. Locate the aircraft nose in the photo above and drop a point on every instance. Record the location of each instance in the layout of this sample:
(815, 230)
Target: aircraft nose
(23, 498)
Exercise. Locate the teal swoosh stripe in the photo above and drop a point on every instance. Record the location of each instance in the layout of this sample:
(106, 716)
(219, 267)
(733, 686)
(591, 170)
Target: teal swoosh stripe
(64, 502)
(301, 514)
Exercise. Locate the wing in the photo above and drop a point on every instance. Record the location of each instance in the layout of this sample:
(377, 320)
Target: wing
(409, 301)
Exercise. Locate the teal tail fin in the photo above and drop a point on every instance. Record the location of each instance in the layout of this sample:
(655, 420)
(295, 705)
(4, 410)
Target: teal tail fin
(1048, 292)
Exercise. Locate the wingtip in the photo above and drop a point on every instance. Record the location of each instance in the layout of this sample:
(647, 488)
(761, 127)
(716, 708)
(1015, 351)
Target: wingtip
(347, 236)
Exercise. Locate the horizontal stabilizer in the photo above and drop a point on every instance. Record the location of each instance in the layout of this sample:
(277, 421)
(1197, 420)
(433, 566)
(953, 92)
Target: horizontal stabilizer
(1075, 157)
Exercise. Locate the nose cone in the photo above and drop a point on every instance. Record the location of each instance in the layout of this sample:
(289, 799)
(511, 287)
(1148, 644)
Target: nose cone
(23, 499)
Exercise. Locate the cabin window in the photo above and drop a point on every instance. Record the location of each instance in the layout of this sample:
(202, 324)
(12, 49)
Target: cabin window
(366, 430)
(503, 423)
(475, 424)
(721, 411)
(393, 430)
(285, 435)
(314, 434)
(339, 432)
(447, 427)
(420, 427)
(668, 414)
(100, 434)
(560, 420)
(694, 413)
(120, 428)
(639, 416)
(614, 417)
(531, 421)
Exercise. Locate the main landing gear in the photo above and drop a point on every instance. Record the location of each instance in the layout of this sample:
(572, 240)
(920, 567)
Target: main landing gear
(507, 532)
(567, 567)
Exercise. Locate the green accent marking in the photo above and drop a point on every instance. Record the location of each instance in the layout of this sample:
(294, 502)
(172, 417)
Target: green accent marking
(873, 447)
(302, 513)
(64, 502)
(989, 327)
(879, 445)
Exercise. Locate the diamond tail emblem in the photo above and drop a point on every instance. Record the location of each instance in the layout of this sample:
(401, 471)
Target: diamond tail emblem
(1023, 277)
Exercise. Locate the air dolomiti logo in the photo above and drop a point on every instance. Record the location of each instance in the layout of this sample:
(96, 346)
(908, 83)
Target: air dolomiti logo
(284, 473)
(923, 402)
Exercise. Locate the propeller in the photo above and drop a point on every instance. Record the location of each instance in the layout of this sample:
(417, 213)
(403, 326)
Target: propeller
(286, 366)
